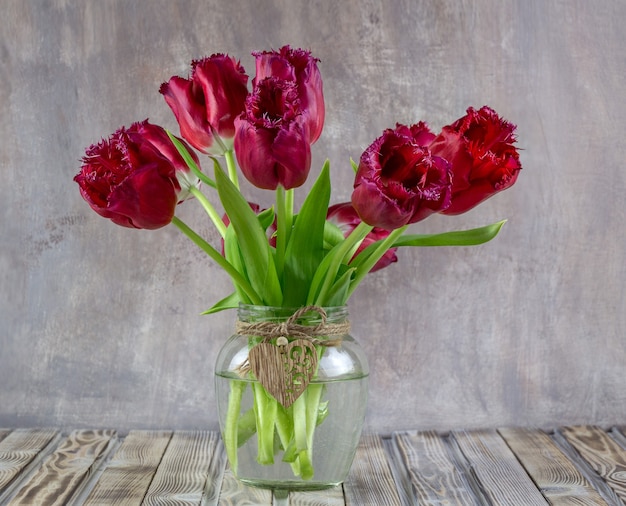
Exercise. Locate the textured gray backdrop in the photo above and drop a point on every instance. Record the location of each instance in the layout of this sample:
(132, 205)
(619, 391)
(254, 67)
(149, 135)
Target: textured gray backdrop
(100, 325)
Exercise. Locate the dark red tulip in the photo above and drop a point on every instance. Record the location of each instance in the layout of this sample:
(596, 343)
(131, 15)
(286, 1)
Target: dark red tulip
(132, 177)
(480, 148)
(206, 104)
(299, 66)
(271, 144)
(400, 182)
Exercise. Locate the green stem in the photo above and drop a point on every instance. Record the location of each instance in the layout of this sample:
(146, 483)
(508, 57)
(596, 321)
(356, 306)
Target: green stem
(284, 428)
(232, 167)
(265, 410)
(300, 435)
(210, 210)
(314, 395)
(246, 427)
(231, 425)
(215, 255)
(284, 222)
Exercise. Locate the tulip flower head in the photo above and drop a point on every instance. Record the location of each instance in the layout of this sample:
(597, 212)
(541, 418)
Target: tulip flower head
(271, 141)
(136, 177)
(299, 66)
(480, 147)
(400, 182)
(206, 104)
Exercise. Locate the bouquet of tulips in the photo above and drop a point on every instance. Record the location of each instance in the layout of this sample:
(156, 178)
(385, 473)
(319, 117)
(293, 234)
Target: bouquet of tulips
(276, 256)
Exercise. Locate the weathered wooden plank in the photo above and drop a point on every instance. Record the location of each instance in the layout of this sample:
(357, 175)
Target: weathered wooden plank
(503, 480)
(234, 493)
(215, 475)
(434, 476)
(370, 482)
(604, 455)
(127, 476)
(183, 471)
(558, 479)
(20, 450)
(330, 497)
(64, 470)
(4, 433)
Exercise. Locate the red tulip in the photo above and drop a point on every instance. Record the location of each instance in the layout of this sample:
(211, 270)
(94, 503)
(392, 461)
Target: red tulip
(296, 65)
(346, 218)
(271, 145)
(484, 161)
(206, 104)
(400, 182)
(132, 177)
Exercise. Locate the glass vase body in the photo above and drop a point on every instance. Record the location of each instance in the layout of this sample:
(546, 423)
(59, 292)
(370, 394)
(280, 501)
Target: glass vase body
(309, 445)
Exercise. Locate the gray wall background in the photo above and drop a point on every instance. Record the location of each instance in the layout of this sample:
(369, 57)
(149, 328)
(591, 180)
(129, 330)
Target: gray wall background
(100, 325)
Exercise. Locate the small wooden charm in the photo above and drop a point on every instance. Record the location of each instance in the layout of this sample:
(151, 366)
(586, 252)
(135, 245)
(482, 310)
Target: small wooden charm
(284, 370)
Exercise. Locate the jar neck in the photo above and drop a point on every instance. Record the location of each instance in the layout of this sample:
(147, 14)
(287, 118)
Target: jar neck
(251, 313)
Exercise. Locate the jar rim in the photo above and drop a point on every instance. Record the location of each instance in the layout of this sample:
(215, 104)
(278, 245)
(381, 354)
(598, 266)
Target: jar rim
(252, 312)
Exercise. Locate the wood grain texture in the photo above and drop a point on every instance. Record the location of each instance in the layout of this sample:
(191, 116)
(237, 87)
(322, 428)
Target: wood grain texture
(128, 475)
(182, 474)
(63, 471)
(370, 481)
(18, 450)
(435, 478)
(558, 479)
(602, 453)
(504, 481)
(331, 497)
(215, 476)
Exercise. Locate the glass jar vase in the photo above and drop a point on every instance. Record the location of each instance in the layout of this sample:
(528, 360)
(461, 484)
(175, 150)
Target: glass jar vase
(285, 441)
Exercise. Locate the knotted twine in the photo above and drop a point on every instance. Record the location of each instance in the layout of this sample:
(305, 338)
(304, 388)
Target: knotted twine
(286, 368)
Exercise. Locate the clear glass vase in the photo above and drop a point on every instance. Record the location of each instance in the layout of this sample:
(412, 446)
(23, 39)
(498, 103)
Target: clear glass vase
(310, 444)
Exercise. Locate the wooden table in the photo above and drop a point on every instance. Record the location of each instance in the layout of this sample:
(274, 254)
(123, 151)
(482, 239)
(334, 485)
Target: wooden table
(512, 466)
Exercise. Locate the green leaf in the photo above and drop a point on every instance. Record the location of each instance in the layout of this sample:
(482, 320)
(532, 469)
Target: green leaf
(332, 235)
(340, 290)
(470, 237)
(229, 302)
(305, 250)
(252, 241)
(266, 217)
(326, 273)
(233, 255)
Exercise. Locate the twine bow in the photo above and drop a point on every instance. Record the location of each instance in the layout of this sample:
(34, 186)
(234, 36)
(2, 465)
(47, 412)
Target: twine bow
(290, 328)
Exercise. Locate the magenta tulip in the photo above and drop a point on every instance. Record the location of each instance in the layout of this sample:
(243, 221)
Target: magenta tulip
(345, 217)
(206, 104)
(400, 182)
(271, 144)
(132, 178)
(484, 161)
(296, 65)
